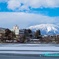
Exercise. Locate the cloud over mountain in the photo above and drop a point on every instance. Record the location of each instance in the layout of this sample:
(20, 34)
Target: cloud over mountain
(24, 19)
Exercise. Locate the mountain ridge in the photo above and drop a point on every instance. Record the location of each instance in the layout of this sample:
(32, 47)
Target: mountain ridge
(46, 29)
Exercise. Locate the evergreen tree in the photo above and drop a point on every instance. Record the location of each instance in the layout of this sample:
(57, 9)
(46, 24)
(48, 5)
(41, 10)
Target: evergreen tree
(7, 32)
(38, 34)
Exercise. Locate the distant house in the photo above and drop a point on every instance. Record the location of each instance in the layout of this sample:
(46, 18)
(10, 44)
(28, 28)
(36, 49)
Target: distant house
(25, 32)
(21, 31)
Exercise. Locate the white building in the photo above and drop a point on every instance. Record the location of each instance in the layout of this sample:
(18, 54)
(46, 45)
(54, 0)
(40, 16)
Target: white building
(16, 29)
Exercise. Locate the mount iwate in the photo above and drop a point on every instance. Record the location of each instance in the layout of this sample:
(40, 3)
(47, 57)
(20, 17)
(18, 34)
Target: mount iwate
(46, 29)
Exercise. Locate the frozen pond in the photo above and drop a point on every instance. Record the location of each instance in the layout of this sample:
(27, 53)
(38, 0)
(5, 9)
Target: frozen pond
(27, 51)
(25, 57)
(33, 45)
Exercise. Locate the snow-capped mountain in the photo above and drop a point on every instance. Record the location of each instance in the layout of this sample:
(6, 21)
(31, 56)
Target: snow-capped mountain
(46, 29)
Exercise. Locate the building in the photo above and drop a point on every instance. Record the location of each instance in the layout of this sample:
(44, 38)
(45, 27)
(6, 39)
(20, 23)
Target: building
(21, 31)
(16, 30)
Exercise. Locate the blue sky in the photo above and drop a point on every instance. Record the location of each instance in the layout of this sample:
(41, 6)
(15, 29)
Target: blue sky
(26, 13)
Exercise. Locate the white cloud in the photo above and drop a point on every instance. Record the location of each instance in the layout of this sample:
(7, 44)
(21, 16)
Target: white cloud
(13, 4)
(24, 19)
